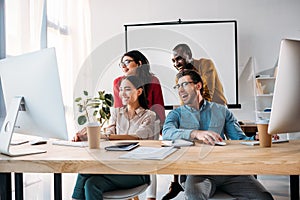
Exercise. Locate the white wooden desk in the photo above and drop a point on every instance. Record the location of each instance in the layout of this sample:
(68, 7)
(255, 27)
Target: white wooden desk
(233, 159)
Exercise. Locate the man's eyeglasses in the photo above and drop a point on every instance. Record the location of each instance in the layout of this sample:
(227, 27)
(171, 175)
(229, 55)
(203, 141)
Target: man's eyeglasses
(183, 85)
(125, 63)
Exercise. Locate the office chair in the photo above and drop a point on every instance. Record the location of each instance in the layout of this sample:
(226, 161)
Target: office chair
(125, 194)
(133, 193)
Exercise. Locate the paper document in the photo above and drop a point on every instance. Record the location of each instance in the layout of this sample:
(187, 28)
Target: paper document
(149, 153)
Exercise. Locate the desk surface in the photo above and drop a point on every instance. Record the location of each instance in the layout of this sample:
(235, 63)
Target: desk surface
(280, 159)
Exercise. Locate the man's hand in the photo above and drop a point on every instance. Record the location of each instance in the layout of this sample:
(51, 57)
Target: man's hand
(80, 136)
(208, 137)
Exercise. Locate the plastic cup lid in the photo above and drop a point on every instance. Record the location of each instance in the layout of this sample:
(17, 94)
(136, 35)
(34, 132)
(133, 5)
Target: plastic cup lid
(93, 124)
(262, 121)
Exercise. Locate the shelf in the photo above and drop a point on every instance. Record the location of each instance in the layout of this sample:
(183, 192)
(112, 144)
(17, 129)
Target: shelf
(264, 89)
(265, 95)
(263, 112)
(265, 85)
(266, 78)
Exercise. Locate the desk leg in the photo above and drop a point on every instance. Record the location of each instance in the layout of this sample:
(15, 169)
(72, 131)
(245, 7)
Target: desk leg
(5, 186)
(57, 187)
(294, 187)
(19, 186)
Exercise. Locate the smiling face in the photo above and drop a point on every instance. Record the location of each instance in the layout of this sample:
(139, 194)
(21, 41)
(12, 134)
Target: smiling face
(129, 94)
(128, 66)
(188, 91)
(180, 60)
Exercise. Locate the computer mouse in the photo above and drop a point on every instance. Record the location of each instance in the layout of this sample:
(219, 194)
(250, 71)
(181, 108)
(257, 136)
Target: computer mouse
(220, 143)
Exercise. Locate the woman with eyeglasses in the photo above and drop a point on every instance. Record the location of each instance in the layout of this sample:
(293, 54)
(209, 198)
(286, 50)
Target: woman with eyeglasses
(131, 121)
(135, 63)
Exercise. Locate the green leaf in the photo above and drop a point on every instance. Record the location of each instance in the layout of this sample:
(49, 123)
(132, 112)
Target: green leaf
(89, 99)
(109, 99)
(78, 99)
(101, 95)
(85, 93)
(80, 108)
(95, 112)
(103, 114)
(82, 120)
(93, 105)
(106, 110)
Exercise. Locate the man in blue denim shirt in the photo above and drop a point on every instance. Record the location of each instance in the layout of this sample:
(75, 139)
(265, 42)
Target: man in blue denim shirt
(199, 119)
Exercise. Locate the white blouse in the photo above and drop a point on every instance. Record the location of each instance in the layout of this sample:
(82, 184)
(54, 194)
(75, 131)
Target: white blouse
(142, 124)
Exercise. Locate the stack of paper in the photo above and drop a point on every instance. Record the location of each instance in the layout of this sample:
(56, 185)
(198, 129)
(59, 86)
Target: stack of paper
(149, 153)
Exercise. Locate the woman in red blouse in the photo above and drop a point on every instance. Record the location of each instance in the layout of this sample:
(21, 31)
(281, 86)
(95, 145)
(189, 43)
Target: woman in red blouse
(135, 63)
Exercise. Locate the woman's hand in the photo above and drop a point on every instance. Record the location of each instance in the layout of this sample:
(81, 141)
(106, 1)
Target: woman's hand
(80, 136)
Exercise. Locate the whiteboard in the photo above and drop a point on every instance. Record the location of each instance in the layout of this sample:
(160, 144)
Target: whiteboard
(216, 40)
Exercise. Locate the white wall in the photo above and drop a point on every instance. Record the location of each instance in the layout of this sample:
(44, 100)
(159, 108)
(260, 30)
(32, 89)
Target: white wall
(261, 26)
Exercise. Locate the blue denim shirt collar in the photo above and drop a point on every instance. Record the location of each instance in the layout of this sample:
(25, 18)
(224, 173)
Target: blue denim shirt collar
(202, 107)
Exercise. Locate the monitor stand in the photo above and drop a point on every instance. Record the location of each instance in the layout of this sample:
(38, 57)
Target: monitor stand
(7, 129)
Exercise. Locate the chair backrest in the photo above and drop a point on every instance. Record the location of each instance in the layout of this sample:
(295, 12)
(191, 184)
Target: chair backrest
(156, 129)
(125, 194)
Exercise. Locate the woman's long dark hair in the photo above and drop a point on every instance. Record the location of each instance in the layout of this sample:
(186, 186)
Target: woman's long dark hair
(137, 83)
(143, 70)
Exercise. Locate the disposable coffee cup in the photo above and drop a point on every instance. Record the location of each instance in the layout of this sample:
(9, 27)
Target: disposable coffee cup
(265, 139)
(93, 134)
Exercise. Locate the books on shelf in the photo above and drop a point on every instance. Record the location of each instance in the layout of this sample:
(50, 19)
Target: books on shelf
(259, 87)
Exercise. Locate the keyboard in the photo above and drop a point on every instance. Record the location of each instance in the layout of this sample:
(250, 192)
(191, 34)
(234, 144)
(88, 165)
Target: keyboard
(253, 143)
(70, 143)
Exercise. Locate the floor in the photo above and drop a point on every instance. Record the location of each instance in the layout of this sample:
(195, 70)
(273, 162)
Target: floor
(37, 186)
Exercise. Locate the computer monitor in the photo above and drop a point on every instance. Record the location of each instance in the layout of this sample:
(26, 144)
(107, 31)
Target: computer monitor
(285, 112)
(33, 98)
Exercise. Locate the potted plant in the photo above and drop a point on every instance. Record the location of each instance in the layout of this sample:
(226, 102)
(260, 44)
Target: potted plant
(94, 109)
